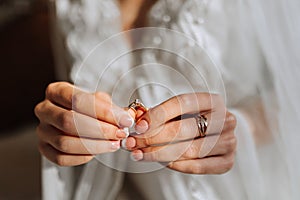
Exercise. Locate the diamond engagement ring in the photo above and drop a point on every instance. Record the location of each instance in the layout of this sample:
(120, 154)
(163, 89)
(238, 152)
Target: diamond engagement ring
(137, 105)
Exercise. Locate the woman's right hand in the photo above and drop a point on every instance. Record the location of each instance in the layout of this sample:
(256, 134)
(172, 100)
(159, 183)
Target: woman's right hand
(76, 125)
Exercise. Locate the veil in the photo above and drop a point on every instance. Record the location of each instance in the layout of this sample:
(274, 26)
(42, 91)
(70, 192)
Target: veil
(278, 29)
(267, 168)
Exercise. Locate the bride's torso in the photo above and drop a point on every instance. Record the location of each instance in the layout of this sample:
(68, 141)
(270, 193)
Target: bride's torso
(222, 29)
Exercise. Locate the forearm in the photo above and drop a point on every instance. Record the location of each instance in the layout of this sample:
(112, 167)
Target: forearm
(254, 114)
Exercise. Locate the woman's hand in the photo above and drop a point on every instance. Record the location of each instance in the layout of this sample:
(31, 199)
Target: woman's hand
(75, 125)
(169, 133)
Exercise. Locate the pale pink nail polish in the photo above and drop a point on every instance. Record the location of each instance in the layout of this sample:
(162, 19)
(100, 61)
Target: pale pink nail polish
(126, 131)
(121, 134)
(141, 127)
(123, 143)
(136, 156)
(126, 121)
(115, 145)
(130, 143)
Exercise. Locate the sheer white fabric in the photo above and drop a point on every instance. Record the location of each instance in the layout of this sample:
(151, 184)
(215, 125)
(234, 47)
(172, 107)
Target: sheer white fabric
(254, 44)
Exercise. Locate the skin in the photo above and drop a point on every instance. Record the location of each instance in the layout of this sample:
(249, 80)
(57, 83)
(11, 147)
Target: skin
(169, 137)
(101, 123)
(134, 13)
(76, 125)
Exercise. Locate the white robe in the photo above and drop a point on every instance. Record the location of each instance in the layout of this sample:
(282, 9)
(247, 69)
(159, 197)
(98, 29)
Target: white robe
(228, 32)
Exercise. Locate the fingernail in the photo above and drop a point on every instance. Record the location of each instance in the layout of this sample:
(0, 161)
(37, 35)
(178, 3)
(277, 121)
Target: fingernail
(126, 131)
(141, 127)
(126, 121)
(115, 145)
(130, 143)
(136, 156)
(123, 143)
(120, 134)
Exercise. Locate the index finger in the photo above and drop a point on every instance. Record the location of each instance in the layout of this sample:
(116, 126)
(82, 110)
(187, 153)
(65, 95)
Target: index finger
(98, 105)
(177, 106)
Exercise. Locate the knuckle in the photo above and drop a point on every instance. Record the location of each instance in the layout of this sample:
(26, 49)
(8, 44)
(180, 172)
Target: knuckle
(66, 121)
(77, 99)
(231, 143)
(63, 144)
(61, 160)
(105, 109)
(56, 90)
(231, 120)
(50, 89)
(37, 109)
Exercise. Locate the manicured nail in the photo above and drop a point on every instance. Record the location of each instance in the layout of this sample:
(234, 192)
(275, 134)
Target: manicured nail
(136, 156)
(130, 143)
(141, 127)
(126, 121)
(126, 131)
(120, 134)
(123, 143)
(115, 145)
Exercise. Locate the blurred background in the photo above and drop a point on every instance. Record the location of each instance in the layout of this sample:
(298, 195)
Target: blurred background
(27, 68)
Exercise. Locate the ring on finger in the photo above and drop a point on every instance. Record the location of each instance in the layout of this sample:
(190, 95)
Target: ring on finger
(136, 105)
(202, 124)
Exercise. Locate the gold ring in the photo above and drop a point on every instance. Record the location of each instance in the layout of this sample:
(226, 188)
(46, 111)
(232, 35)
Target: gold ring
(137, 105)
(202, 124)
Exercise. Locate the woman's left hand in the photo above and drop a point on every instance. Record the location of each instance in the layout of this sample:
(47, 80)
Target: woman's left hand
(169, 133)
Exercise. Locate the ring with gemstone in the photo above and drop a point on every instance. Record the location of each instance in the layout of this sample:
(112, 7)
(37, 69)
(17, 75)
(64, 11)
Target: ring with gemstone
(137, 105)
